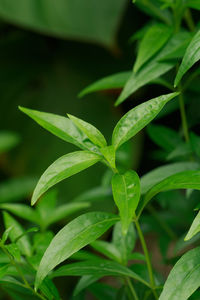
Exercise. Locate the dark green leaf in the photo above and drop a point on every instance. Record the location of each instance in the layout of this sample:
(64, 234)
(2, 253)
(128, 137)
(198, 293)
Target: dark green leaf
(193, 4)
(77, 234)
(17, 230)
(153, 177)
(183, 280)
(100, 267)
(84, 282)
(8, 140)
(126, 193)
(137, 118)
(195, 143)
(192, 55)
(62, 168)
(195, 228)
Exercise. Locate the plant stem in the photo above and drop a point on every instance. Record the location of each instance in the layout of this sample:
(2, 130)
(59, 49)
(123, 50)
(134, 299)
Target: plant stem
(26, 284)
(148, 261)
(183, 117)
(189, 20)
(132, 290)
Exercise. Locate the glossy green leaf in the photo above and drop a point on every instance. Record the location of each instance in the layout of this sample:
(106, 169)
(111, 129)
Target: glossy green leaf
(107, 249)
(100, 267)
(164, 137)
(125, 243)
(22, 211)
(137, 118)
(90, 131)
(62, 168)
(155, 176)
(60, 126)
(21, 188)
(192, 55)
(109, 153)
(17, 230)
(114, 81)
(126, 193)
(8, 140)
(182, 180)
(69, 19)
(183, 279)
(77, 234)
(153, 40)
(195, 228)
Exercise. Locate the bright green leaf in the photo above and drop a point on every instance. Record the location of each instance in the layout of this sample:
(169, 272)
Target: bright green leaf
(126, 193)
(192, 55)
(137, 118)
(60, 126)
(90, 131)
(62, 168)
(114, 81)
(22, 211)
(183, 279)
(153, 40)
(107, 249)
(109, 154)
(13, 249)
(195, 228)
(77, 234)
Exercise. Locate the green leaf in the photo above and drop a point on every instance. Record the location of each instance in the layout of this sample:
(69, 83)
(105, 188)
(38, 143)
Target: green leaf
(64, 211)
(13, 249)
(125, 243)
(114, 81)
(62, 168)
(182, 180)
(60, 126)
(137, 118)
(109, 154)
(192, 55)
(100, 267)
(183, 279)
(21, 188)
(74, 20)
(94, 194)
(8, 140)
(151, 71)
(90, 131)
(164, 137)
(77, 234)
(194, 229)
(153, 40)
(6, 234)
(126, 193)
(182, 150)
(155, 176)
(195, 143)
(22, 211)
(84, 282)
(107, 249)
(17, 230)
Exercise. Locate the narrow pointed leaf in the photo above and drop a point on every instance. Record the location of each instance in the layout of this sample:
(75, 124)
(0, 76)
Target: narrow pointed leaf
(126, 193)
(183, 279)
(107, 249)
(77, 234)
(60, 126)
(90, 131)
(63, 168)
(100, 267)
(155, 176)
(192, 55)
(22, 211)
(137, 118)
(182, 180)
(153, 40)
(114, 81)
(84, 282)
(17, 230)
(195, 228)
